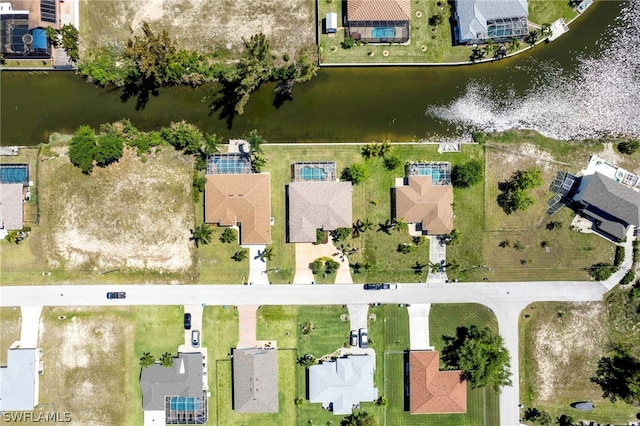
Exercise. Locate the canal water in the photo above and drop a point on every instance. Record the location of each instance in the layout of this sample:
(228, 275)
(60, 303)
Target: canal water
(339, 105)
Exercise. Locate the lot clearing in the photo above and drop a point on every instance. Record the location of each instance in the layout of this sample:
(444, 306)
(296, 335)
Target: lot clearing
(132, 215)
(560, 345)
(203, 25)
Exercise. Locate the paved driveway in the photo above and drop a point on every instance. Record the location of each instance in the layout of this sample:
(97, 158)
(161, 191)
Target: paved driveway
(257, 266)
(30, 326)
(419, 326)
(308, 252)
(437, 254)
(196, 324)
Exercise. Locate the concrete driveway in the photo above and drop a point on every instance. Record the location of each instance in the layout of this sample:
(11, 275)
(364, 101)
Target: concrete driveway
(257, 267)
(196, 324)
(437, 254)
(419, 326)
(306, 253)
(30, 326)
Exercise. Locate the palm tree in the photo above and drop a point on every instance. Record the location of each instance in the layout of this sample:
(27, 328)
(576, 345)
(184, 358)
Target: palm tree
(477, 54)
(532, 37)
(367, 225)
(385, 148)
(255, 140)
(147, 359)
(490, 46)
(417, 268)
(211, 144)
(239, 256)
(400, 225)
(229, 235)
(514, 44)
(166, 360)
(267, 254)
(546, 30)
(201, 234)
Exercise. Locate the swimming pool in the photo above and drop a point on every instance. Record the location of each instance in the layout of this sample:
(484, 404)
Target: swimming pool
(229, 164)
(14, 173)
(312, 173)
(383, 32)
(434, 172)
(182, 403)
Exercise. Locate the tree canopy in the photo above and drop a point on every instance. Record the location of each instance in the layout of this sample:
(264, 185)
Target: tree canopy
(466, 174)
(81, 148)
(151, 55)
(619, 377)
(361, 418)
(480, 354)
(355, 173)
(515, 196)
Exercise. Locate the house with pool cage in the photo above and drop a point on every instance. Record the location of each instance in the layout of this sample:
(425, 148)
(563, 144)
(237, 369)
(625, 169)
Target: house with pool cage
(22, 28)
(375, 21)
(498, 20)
(424, 198)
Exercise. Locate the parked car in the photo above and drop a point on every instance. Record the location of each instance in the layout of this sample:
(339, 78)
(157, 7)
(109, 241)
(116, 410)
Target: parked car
(364, 338)
(372, 286)
(387, 286)
(195, 338)
(353, 338)
(116, 295)
(187, 321)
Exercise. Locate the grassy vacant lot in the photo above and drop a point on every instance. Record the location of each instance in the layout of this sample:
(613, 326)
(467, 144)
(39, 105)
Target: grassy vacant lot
(560, 345)
(371, 200)
(437, 40)
(547, 11)
(91, 359)
(11, 319)
(207, 26)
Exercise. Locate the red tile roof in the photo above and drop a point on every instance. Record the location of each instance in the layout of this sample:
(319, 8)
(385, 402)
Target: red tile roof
(430, 205)
(433, 391)
(378, 10)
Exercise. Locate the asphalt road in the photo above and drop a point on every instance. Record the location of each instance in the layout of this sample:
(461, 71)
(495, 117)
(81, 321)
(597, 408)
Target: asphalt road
(506, 300)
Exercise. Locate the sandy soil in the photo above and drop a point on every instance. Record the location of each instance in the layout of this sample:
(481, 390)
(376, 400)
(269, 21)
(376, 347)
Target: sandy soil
(203, 24)
(131, 215)
(566, 349)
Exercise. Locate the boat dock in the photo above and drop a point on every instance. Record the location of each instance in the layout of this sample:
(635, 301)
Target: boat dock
(558, 28)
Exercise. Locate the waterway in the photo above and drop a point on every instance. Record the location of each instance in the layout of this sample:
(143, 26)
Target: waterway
(339, 105)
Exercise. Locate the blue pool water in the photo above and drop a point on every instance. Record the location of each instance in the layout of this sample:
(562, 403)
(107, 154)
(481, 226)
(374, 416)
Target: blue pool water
(384, 32)
(436, 175)
(181, 403)
(230, 165)
(14, 173)
(312, 173)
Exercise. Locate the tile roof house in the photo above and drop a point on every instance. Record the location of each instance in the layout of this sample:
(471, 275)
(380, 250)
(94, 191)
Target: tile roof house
(428, 206)
(19, 380)
(317, 205)
(240, 198)
(255, 380)
(433, 391)
(175, 394)
(343, 382)
(11, 206)
(613, 206)
(499, 20)
(379, 20)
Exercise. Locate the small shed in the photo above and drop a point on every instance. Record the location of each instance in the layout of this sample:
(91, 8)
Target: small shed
(332, 23)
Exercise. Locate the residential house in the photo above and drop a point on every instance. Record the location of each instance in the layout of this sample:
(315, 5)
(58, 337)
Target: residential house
(176, 394)
(11, 206)
(613, 206)
(22, 24)
(433, 391)
(255, 380)
(240, 199)
(499, 20)
(426, 205)
(379, 21)
(317, 205)
(342, 383)
(19, 380)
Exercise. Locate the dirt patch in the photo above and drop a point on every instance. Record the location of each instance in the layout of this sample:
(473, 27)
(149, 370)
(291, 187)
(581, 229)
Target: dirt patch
(203, 25)
(10, 321)
(85, 364)
(566, 348)
(130, 215)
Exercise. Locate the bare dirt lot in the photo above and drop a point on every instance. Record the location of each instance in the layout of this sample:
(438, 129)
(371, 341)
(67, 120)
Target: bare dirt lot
(132, 215)
(204, 25)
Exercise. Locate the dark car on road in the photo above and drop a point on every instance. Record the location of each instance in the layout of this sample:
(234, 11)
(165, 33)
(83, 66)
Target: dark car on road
(373, 286)
(187, 321)
(116, 295)
(380, 286)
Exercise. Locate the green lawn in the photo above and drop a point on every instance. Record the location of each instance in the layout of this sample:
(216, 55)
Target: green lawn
(547, 11)
(11, 320)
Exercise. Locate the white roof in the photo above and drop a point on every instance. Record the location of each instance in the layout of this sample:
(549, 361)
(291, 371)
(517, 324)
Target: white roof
(474, 14)
(18, 381)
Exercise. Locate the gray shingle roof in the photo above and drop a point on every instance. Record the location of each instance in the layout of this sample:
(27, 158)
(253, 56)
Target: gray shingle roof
(11, 206)
(184, 378)
(18, 381)
(473, 15)
(610, 202)
(343, 382)
(255, 380)
(318, 205)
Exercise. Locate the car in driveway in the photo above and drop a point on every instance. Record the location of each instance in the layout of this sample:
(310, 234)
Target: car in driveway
(364, 338)
(353, 338)
(116, 295)
(195, 338)
(187, 321)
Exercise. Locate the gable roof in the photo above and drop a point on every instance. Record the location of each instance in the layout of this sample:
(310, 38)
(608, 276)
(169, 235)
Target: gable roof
(11, 206)
(610, 202)
(434, 391)
(430, 205)
(343, 382)
(378, 10)
(18, 381)
(244, 198)
(472, 15)
(255, 380)
(318, 205)
(183, 378)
